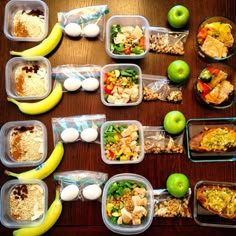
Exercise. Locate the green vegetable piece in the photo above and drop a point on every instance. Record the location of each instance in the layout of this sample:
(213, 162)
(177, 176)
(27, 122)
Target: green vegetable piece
(117, 73)
(205, 76)
(110, 133)
(137, 50)
(112, 188)
(125, 73)
(110, 139)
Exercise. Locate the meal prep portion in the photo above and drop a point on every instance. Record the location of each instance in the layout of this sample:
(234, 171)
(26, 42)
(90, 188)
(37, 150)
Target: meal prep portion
(26, 143)
(121, 142)
(30, 80)
(29, 23)
(127, 40)
(220, 200)
(213, 86)
(27, 202)
(215, 39)
(126, 202)
(121, 86)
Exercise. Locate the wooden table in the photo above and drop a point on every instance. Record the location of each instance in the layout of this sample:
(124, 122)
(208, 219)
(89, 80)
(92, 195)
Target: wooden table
(85, 217)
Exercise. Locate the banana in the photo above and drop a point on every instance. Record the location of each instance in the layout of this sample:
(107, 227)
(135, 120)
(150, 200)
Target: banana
(51, 218)
(45, 169)
(42, 106)
(46, 46)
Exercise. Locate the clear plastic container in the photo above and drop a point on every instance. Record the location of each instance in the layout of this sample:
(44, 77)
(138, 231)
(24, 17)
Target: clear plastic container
(121, 66)
(14, 6)
(204, 217)
(19, 72)
(38, 189)
(37, 139)
(140, 141)
(128, 229)
(127, 20)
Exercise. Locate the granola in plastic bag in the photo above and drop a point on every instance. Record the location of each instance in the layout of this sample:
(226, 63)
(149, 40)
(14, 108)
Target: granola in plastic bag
(77, 128)
(85, 16)
(81, 185)
(164, 40)
(73, 76)
(158, 141)
(168, 206)
(161, 88)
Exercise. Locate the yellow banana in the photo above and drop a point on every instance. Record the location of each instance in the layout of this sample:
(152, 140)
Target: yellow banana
(46, 46)
(45, 169)
(51, 218)
(35, 108)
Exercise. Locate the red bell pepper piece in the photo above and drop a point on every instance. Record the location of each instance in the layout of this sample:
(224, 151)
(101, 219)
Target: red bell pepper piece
(213, 70)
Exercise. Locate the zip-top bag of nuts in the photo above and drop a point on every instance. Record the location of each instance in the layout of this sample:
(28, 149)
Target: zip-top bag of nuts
(158, 141)
(164, 40)
(168, 206)
(157, 87)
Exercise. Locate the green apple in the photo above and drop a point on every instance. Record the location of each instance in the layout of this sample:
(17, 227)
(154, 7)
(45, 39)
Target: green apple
(178, 16)
(174, 122)
(177, 184)
(178, 71)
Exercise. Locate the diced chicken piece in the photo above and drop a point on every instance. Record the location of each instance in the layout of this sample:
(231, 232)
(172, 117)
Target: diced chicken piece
(220, 93)
(138, 201)
(120, 38)
(126, 216)
(134, 135)
(111, 99)
(217, 79)
(125, 96)
(136, 221)
(127, 29)
(137, 33)
(140, 192)
(120, 221)
(134, 94)
(139, 211)
(126, 132)
(120, 89)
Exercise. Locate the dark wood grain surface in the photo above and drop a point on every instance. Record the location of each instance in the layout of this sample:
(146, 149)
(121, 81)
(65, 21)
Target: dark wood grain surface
(84, 218)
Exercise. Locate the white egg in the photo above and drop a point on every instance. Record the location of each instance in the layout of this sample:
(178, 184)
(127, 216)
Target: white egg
(73, 29)
(70, 192)
(91, 31)
(92, 192)
(90, 84)
(89, 135)
(69, 135)
(72, 84)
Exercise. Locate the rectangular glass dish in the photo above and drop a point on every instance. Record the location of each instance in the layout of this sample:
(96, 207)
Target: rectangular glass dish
(196, 126)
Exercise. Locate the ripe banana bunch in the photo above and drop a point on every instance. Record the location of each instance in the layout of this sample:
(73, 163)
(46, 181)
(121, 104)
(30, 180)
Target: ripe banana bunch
(51, 218)
(42, 106)
(46, 46)
(44, 170)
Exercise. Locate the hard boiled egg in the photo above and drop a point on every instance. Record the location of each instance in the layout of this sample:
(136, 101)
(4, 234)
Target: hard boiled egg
(92, 192)
(72, 84)
(69, 135)
(91, 31)
(89, 135)
(70, 192)
(90, 84)
(73, 29)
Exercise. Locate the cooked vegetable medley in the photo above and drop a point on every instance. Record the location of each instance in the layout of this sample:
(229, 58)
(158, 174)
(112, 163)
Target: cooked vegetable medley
(121, 142)
(127, 40)
(121, 86)
(126, 202)
(213, 86)
(215, 39)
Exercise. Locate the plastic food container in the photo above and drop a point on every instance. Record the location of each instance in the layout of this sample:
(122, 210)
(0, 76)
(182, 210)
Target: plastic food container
(122, 157)
(28, 78)
(128, 229)
(114, 100)
(32, 20)
(202, 50)
(205, 81)
(29, 139)
(31, 193)
(127, 20)
(195, 126)
(205, 218)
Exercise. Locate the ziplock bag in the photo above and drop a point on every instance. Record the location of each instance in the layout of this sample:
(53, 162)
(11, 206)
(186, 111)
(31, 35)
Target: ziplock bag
(85, 16)
(81, 185)
(164, 40)
(73, 77)
(77, 128)
(161, 88)
(157, 141)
